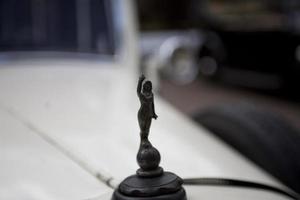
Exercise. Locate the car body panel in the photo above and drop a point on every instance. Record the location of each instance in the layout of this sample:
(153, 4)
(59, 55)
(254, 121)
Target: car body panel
(31, 168)
(91, 112)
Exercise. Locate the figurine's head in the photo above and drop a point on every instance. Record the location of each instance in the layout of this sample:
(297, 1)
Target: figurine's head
(147, 87)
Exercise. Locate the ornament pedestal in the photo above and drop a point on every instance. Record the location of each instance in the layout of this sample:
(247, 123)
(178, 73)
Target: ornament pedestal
(150, 181)
(167, 186)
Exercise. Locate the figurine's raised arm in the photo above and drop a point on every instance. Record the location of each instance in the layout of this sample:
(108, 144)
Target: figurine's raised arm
(139, 87)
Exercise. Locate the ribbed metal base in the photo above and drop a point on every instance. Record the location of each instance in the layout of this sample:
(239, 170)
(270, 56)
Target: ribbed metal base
(179, 195)
(167, 186)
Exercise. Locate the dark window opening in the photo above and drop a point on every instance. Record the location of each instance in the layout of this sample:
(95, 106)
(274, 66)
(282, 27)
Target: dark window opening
(56, 25)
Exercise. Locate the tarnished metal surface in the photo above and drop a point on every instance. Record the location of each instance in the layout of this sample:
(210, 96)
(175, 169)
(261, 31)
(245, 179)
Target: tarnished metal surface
(148, 156)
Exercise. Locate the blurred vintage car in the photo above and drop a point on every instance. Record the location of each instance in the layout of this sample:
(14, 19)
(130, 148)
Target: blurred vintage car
(254, 44)
(171, 55)
(68, 128)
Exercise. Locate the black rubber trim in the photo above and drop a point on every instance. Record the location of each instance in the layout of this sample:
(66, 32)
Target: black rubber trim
(239, 183)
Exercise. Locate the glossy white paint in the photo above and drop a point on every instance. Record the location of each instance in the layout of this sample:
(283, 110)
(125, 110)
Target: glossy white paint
(91, 114)
(227, 193)
(32, 169)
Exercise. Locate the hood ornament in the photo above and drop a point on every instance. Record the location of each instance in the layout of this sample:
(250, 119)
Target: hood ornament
(150, 180)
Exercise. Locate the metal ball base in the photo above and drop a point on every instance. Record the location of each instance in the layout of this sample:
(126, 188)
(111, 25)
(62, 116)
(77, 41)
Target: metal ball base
(152, 173)
(168, 186)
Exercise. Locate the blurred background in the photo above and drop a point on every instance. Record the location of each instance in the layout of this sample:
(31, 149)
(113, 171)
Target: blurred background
(197, 52)
(214, 51)
(232, 66)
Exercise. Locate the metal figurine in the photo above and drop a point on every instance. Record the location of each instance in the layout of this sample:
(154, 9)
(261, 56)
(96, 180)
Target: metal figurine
(150, 181)
(146, 111)
(148, 157)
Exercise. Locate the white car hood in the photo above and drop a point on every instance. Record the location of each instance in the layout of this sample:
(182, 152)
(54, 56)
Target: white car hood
(33, 169)
(89, 113)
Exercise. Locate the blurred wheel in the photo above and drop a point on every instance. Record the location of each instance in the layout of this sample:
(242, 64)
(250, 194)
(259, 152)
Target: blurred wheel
(265, 138)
